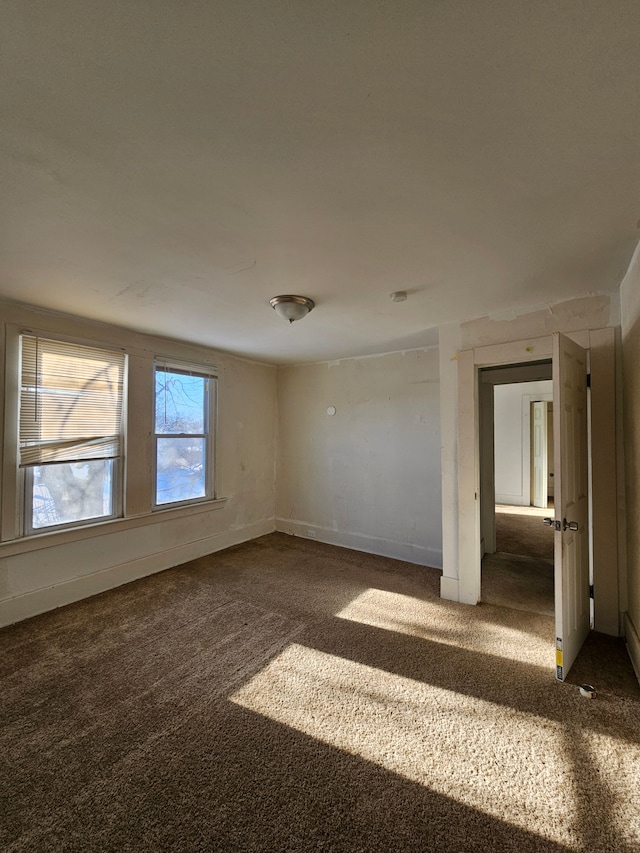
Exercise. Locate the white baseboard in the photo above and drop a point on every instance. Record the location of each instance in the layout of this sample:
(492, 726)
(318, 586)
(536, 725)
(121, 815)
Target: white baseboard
(633, 644)
(48, 598)
(512, 500)
(449, 589)
(360, 542)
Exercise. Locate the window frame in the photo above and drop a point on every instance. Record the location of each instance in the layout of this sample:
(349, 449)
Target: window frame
(24, 475)
(210, 413)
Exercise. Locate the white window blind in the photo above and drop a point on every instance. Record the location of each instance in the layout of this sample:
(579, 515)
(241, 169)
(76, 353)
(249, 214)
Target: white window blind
(70, 402)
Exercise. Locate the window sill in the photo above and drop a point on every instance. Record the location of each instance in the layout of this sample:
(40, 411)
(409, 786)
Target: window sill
(39, 541)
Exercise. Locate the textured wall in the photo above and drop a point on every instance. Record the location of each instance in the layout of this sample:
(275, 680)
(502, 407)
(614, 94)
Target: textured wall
(367, 477)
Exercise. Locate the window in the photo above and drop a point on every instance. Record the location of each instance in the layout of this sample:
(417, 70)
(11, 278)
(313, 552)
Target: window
(70, 432)
(184, 410)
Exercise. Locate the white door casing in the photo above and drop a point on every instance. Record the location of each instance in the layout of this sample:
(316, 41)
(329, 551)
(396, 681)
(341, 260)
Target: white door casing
(571, 499)
(465, 586)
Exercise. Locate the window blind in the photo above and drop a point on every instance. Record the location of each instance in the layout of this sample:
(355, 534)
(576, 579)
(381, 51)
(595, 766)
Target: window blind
(70, 402)
(167, 366)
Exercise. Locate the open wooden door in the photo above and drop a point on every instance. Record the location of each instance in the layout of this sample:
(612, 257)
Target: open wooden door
(571, 550)
(539, 455)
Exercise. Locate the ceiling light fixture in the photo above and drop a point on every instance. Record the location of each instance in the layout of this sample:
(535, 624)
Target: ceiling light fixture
(292, 307)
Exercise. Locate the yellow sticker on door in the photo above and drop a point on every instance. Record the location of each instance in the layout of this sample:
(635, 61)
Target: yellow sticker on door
(559, 658)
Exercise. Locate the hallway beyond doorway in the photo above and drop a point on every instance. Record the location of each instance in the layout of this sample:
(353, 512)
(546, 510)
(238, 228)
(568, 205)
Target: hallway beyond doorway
(520, 574)
(519, 530)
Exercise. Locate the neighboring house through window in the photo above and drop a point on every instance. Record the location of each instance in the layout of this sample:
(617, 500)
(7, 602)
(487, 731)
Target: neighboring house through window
(70, 432)
(184, 416)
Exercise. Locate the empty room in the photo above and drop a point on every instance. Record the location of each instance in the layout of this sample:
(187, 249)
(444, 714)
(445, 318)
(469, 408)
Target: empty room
(320, 426)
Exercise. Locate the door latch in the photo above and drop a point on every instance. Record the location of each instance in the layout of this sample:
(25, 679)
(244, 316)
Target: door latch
(561, 525)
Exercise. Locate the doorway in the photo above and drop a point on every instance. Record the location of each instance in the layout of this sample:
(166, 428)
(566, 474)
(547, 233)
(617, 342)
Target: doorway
(516, 487)
(585, 523)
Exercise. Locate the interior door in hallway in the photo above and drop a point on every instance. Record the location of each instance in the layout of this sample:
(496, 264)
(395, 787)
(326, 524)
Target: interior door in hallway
(539, 457)
(571, 546)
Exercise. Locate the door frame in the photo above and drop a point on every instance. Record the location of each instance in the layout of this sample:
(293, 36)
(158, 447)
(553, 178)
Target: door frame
(461, 582)
(470, 362)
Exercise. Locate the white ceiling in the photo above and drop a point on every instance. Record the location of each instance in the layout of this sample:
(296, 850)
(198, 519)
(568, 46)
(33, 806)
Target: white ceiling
(169, 166)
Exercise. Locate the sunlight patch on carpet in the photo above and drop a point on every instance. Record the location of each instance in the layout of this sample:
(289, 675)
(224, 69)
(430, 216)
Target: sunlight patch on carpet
(506, 763)
(414, 617)
(509, 509)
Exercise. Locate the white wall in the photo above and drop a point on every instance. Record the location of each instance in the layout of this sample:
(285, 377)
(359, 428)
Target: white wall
(49, 570)
(511, 436)
(630, 315)
(368, 477)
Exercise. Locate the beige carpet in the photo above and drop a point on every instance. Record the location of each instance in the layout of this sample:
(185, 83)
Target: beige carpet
(523, 583)
(290, 696)
(520, 530)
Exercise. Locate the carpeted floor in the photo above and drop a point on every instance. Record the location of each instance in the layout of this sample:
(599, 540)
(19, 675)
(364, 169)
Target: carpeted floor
(520, 573)
(520, 530)
(286, 695)
(522, 583)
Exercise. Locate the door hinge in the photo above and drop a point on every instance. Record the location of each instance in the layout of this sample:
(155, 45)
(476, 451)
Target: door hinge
(588, 380)
(591, 590)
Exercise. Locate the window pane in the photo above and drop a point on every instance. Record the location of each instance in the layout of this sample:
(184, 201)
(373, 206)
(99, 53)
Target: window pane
(71, 492)
(180, 469)
(180, 402)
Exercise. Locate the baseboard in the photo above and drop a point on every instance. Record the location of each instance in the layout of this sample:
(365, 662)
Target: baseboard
(449, 589)
(48, 598)
(418, 554)
(633, 644)
(512, 500)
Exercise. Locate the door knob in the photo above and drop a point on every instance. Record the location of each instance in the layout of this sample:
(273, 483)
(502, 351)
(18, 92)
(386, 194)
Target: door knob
(548, 522)
(570, 525)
